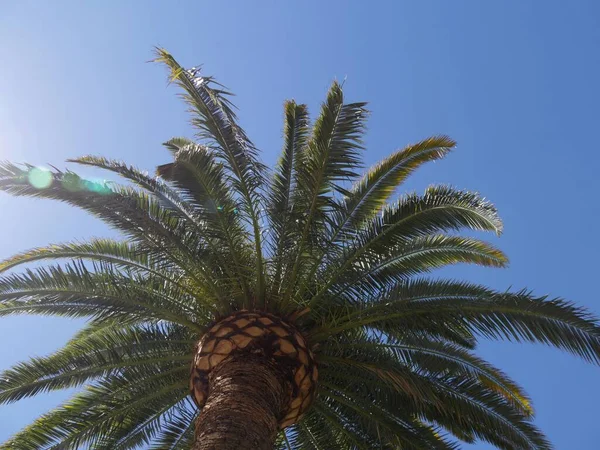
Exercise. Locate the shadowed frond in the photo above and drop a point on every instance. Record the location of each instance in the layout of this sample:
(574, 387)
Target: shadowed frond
(96, 352)
(169, 198)
(486, 409)
(198, 174)
(106, 411)
(74, 291)
(441, 358)
(178, 432)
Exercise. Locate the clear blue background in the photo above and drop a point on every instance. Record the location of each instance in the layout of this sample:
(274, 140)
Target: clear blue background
(515, 82)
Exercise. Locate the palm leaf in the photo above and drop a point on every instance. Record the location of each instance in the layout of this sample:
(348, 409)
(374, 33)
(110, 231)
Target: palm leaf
(371, 274)
(120, 256)
(330, 158)
(96, 352)
(178, 432)
(134, 213)
(486, 412)
(216, 122)
(498, 315)
(74, 291)
(104, 411)
(280, 206)
(196, 172)
(374, 189)
(441, 358)
(441, 208)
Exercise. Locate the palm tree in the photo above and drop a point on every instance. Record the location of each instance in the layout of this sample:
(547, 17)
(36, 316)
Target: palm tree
(300, 300)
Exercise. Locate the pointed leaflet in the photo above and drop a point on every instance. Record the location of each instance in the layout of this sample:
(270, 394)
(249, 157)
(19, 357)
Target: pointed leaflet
(177, 143)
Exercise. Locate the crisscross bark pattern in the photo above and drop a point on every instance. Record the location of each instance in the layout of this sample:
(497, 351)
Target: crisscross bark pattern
(265, 335)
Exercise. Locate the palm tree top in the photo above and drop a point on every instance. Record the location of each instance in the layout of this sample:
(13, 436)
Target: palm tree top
(323, 252)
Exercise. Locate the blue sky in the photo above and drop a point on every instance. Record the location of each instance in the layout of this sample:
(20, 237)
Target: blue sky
(514, 82)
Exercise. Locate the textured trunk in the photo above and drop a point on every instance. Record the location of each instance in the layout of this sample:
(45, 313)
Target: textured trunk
(246, 400)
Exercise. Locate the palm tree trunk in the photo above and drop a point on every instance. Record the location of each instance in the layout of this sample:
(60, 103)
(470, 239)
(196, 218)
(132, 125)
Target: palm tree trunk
(247, 397)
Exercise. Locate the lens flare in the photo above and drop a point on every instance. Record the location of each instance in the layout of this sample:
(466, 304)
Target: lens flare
(39, 178)
(99, 187)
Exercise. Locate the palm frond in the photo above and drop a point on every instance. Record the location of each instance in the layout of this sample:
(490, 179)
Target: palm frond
(370, 194)
(441, 358)
(119, 255)
(370, 274)
(75, 291)
(312, 435)
(156, 426)
(441, 208)
(518, 316)
(105, 411)
(448, 393)
(283, 184)
(198, 174)
(331, 157)
(216, 122)
(388, 429)
(96, 352)
(136, 214)
(124, 254)
(346, 436)
(178, 432)
(374, 189)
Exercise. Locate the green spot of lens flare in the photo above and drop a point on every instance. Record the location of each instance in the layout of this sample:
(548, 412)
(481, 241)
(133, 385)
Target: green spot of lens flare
(74, 183)
(39, 178)
(99, 187)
